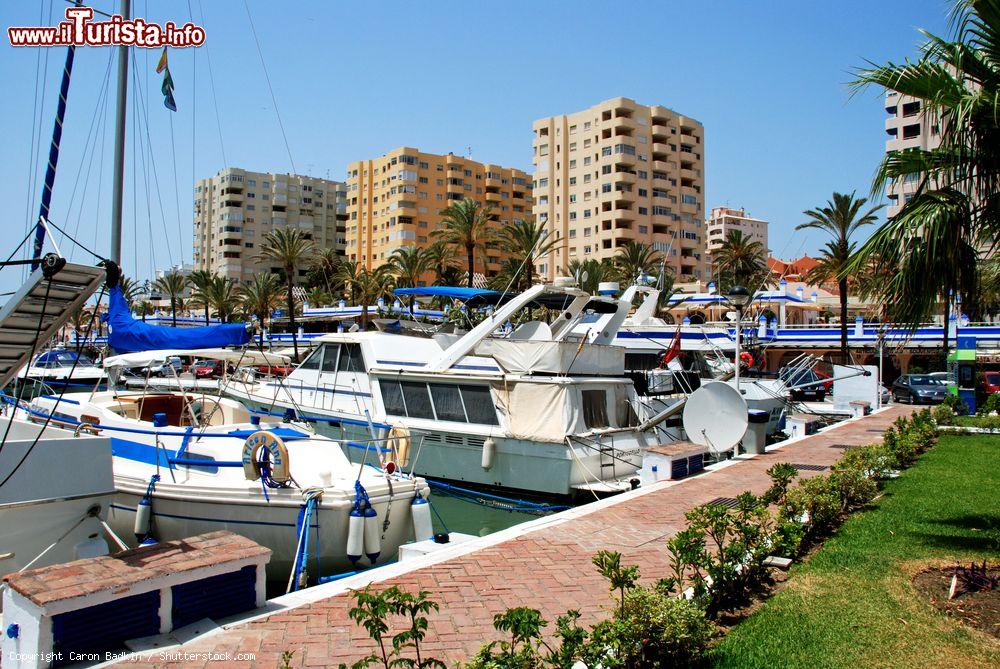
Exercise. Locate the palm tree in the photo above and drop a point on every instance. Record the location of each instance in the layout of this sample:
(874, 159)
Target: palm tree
(290, 249)
(408, 265)
(323, 272)
(131, 290)
(466, 227)
(201, 281)
(740, 261)
(368, 286)
(525, 241)
(841, 218)
(441, 259)
(260, 298)
(634, 259)
(222, 297)
(144, 308)
(347, 274)
(932, 243)
(317, 297)
(590, 273)
(172, 285)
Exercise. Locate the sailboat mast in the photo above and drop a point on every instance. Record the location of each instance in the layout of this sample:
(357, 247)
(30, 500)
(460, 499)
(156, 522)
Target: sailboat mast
(119, 175)
(50, 169)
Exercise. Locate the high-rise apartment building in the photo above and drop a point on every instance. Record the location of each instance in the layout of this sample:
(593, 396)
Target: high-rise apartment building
(619, 172)
(909, 126)
(395, 201)
(235, 209)
(724, 220)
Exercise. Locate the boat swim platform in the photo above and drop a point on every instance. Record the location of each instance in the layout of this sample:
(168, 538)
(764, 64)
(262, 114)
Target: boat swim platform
(544, 564)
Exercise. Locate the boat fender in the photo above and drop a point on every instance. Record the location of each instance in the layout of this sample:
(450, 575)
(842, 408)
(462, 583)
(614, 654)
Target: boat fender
(423, 529)
(277, 455)
(373, 534)
(399, 441)
(489, 453)
(355, 535)
(143, 515)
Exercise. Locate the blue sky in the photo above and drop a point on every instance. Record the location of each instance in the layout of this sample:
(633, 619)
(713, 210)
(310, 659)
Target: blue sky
(353, 80)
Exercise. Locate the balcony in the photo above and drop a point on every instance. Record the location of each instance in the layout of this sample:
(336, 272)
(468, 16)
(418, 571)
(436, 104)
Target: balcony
(493, 197)
(664, 165)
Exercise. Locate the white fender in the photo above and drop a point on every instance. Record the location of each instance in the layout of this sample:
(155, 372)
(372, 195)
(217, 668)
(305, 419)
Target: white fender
(373, 534)
(143, 516)
(489, 453)
(355, 536)
(423, 528)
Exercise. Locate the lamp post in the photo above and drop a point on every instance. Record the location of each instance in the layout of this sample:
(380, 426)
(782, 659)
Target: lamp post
(739, 297)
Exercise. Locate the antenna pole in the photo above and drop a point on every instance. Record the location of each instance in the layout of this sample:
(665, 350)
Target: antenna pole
(119, 167)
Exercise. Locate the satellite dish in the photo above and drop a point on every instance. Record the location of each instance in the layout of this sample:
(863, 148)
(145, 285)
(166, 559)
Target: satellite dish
(715, 416)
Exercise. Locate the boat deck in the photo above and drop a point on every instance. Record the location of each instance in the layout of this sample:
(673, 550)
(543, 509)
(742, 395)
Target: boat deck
(545, 564)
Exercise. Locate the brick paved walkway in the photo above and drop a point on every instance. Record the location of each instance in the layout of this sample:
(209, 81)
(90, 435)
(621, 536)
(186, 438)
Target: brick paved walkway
(548, 569)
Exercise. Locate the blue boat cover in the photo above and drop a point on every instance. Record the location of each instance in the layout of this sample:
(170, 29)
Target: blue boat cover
(456, 292)
(129, 335)
(286, 433)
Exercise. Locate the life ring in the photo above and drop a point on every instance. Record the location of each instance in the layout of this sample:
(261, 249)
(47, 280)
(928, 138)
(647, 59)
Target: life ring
(746, 359)
(399, 441)
(277, 454)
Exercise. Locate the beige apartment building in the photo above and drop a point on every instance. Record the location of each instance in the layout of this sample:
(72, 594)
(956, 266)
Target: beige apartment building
(616, 172)
(236, 208)
(908, 126)
(724, 220)
(394, 201)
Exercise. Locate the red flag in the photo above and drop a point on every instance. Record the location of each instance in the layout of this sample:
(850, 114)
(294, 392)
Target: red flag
(675, 348)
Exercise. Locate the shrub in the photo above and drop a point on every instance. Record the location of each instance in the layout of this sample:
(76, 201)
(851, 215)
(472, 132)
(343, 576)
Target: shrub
(372, 610)
(814, 502)
(991, 405)
(874, 460)
(781, 475)
(943, 415)
(854, 488)
(652, 631)
(956, 404)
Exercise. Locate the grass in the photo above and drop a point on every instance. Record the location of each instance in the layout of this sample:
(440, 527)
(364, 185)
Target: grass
(852, 605)
(977, 421)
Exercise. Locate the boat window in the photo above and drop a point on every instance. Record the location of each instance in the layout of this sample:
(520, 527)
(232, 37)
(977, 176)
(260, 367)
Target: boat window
(312, 362)
(350, 358)
(329, 358)
(418, 401)
(625, 411)
(479, 405)
(392, 397)
(447, 402)
(595, 408)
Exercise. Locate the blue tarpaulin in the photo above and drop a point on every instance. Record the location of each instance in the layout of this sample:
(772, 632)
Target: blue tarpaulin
(129, 335)
(456, 292)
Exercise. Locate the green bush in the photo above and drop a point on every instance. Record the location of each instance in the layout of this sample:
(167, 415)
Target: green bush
(815, 502)
(874, 460)
(781, 475)
(991, 405)
(956, 404)
(653, 630)
(944, 415)
(854, 488)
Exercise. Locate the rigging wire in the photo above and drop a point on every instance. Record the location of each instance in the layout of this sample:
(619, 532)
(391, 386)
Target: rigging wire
(270, 89)
(215, 99)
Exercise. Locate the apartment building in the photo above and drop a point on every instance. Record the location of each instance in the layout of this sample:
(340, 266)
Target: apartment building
(618, 172)
(908, 126)
(236, 208)
(395, 201)
(724, 220)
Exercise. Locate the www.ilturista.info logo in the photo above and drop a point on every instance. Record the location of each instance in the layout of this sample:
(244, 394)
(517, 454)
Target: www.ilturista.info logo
(79, 30)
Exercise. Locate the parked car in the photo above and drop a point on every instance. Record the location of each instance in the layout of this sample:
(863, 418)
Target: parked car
(275, 370)
(919, 389)
(991, 382)
(206, 369)
(797, 376)
(163, 368)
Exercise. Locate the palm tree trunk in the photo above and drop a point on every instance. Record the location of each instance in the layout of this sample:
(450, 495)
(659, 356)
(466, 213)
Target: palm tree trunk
(173, 310)
(260, 341)
(290, 302)
(842, 287)
(947, 322)
(206, 314)
(470, 253)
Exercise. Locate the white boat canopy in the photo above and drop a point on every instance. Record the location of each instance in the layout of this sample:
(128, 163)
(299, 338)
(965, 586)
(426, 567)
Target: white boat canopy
(146, 358)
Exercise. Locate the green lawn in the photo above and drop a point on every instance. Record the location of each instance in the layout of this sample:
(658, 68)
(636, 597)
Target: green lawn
(852, 605)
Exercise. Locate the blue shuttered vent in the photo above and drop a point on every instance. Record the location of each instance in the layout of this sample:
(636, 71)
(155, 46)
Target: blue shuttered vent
(215, 597)
(106, 626)
(681, 467)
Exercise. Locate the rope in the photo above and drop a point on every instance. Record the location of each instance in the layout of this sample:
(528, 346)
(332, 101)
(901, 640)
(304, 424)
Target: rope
(267, 78)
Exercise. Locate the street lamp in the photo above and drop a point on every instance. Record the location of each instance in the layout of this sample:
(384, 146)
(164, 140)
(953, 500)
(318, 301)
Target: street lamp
(739, 297)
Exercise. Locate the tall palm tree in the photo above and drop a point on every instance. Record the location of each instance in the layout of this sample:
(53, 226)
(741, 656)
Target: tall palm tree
(369, 285)
(172, 285)
(740, 261)
(260, 298)
(525, 241)
(201, 282)
(347, 274)
(131, 290)
(841, 218)
(590, 273)
(222, 296)
(317, 297)
(144, 308)
(408, 265)
(466, 227)
(634, 259)
(290, 249)
(323, 272)
(933, 242)
(441, 259)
